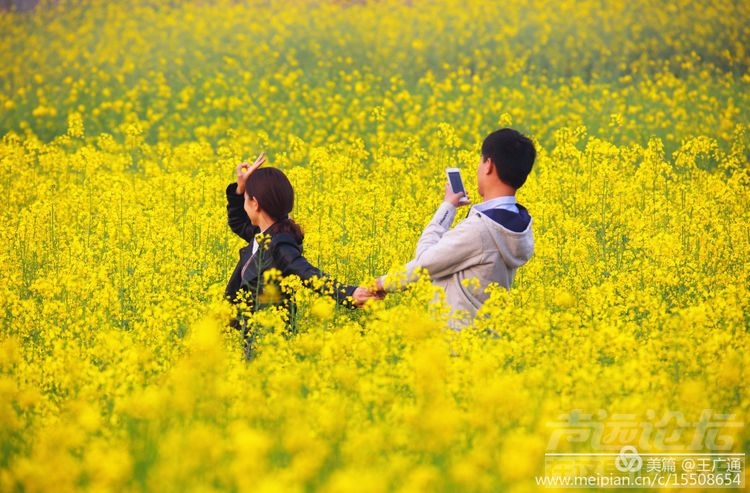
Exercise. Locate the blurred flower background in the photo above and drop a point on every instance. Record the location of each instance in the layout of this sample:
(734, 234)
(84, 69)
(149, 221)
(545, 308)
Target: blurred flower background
(121, 123)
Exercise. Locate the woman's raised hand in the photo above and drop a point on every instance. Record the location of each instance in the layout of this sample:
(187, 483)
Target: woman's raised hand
(244, 170)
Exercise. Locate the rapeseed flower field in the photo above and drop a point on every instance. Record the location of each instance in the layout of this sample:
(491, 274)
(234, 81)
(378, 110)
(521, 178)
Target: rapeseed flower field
(121, 126)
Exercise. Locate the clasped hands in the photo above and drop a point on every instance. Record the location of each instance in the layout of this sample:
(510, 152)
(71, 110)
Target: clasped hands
(362, 294)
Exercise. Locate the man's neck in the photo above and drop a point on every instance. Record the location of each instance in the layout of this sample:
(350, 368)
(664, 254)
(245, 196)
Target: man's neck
(501, 190)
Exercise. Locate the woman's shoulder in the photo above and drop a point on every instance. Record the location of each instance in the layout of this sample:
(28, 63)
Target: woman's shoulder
(285, 240)
(285, 250)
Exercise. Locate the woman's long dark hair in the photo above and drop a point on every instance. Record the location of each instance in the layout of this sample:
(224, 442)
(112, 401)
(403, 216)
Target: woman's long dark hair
(275, 195)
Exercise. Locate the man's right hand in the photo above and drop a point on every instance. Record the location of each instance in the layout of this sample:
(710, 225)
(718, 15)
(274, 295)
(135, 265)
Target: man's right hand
(244, 170)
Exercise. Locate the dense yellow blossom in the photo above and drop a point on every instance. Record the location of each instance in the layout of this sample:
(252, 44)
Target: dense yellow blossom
(123, 121)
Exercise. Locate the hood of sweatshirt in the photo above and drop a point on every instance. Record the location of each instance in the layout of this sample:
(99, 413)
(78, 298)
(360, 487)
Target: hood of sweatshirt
(511, 233)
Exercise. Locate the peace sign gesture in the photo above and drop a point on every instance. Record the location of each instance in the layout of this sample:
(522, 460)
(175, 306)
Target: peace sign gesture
(244, 170)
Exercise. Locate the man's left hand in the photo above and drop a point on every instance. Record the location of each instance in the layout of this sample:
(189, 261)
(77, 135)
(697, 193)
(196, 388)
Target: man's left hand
(455, 198)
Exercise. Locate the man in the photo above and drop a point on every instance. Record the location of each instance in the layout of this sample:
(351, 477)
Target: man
(492, 242)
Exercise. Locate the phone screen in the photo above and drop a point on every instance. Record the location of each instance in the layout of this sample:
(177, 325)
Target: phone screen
(456, 182)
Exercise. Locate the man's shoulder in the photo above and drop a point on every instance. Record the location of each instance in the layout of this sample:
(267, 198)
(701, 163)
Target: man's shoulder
(469, 227)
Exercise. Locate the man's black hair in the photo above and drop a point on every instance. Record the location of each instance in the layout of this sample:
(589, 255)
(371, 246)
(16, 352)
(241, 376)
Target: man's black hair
(512, 153)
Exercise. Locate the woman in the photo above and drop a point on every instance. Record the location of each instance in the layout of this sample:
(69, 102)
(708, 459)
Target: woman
(260, 202)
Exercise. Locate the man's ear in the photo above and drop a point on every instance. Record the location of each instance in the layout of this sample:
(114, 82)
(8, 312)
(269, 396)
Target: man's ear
(488, 166)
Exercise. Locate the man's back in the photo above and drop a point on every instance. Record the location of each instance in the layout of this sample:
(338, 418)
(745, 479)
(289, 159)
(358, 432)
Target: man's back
(488, 247)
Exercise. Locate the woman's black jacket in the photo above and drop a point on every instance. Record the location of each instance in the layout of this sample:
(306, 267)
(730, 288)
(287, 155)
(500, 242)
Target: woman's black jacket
(283, 253)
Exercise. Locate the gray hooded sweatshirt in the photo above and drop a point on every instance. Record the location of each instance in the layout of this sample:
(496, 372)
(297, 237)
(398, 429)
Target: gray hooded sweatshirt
(487, 246)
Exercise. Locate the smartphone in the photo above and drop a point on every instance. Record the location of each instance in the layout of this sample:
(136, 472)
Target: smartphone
(457, 184)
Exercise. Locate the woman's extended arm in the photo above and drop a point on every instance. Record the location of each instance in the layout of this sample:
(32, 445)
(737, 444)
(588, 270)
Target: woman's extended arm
(288, 257)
